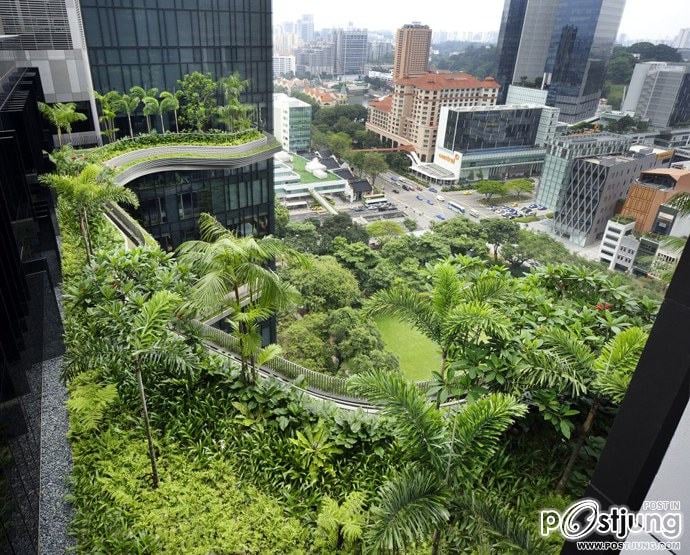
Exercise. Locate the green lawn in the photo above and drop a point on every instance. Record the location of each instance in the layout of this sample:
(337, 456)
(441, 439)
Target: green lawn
(298, 165)
(418, 355)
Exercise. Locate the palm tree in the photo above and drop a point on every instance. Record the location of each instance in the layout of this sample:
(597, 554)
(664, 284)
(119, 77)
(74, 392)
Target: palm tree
(153, 108)
(235, 272)
(454, 315)
(62, 116)
(565, 364)
(444, 454)
(109, 109)
(170, 103)
(141, 94)
(128, 104)
(88, 193)
(233, 86)
(147, 344)
(234, 115)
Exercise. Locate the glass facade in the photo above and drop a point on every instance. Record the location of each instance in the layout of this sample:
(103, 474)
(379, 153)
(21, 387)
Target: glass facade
(153, 43)
(508, 43)
(581, 44)
(681, 110)
(487, 129)
(170, 202)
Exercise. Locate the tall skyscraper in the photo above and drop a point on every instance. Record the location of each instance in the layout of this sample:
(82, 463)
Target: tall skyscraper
(412, 45)
(581, 44)
(562, 45)
(350, 51)
(305, 28)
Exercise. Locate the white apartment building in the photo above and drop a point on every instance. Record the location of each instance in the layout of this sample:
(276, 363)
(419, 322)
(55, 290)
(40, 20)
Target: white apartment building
(618, 245)
(282, 65)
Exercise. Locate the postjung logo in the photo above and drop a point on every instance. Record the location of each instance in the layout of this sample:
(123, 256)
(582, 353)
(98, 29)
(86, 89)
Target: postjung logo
(585, 517)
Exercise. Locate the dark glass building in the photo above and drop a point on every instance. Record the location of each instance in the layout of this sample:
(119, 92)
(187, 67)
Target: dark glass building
(508, 44)
(154, 43)
(583, 36)
(562, 45)
(471, 130)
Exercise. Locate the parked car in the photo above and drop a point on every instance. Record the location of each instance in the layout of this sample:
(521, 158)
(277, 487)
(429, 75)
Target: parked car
(533, 206)
(440, 216)
(429, 201)
(397, 191)
(420, 197)
(406, 187)
(440, 198)
(541, 207)
(395, 178)
(433, 190)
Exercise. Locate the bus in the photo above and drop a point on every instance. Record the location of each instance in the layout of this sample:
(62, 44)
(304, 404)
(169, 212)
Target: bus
(375, 200)
(456, 207)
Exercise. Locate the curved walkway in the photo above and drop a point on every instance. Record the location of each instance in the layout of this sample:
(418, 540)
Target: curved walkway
(147, 160)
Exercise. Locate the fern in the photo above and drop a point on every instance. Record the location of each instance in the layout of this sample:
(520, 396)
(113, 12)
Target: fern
(87, 406)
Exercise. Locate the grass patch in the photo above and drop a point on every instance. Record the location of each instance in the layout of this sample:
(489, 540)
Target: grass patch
(418, 355)
(527, 219)
(298, 165)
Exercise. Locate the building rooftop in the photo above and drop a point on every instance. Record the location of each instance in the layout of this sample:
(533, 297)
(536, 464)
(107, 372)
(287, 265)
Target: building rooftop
(361, 186)
(446, 80)
(384, 103)
(290, 101)
(322, 95)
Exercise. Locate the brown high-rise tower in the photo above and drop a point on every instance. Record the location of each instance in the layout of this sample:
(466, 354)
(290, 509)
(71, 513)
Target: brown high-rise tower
(412, 45)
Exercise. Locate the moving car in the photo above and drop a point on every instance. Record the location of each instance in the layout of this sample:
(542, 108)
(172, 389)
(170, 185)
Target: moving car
(433, 190)
(440, 198)
(396, 191)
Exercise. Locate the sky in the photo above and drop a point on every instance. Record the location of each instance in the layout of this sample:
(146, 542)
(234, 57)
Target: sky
(640, 19)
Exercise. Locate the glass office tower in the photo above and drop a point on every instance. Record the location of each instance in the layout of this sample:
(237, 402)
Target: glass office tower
(154, 43)
(581, 44)
(509, 36)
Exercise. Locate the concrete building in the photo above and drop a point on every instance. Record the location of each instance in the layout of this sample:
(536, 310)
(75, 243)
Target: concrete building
(490, 142)
(305, 28)
(561, 153)
(596, 187)
(49, 35)
(410, 115)
(660, 93)
(561, 45)
(380, 51)
(412, 47)
(619, 245)
(315, 59)
(296, 179)
(283, 65)
(350, 51)
(648, 198)
(292, 122)
(525, 95)
(682, 39)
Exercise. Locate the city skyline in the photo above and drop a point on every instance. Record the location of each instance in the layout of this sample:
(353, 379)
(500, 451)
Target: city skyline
(638, 21)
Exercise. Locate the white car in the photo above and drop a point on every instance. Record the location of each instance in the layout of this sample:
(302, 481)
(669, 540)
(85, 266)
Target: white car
(440, 198)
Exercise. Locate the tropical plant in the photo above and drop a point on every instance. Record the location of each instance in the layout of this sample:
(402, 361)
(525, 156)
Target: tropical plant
(235, 272)
(233, 86)
(454, 316)
(445, 453)
(197, 96)
(128, 104)
(152, 107)
(170, 103)
(87, 194)
(61, 116)
(142, 93)
(110, 103)
(315, 449)
(339, 528)
(234, 115)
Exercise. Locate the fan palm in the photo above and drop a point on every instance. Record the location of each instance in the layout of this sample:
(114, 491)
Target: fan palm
(88, 193)
(235, 272)
(170, 103)
(454, 315)
(444, 452)
(62, 116)
(128, 104)
(565, 364)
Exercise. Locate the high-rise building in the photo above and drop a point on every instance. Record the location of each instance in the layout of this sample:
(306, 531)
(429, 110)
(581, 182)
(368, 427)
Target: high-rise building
(660, 93)
(412, 46)
(682, 39)
(315, 59)
(595, 187)
(490, 142)
(292, 122)
(562, 45)
(380, 51)
(283, 65)
(410, 115)
(49, 35)
(157, 45)
(350, 51)
(584, 33)
(305, 28)
(561, 154)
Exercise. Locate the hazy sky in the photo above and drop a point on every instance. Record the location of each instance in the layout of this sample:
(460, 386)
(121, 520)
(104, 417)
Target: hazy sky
(655, 19)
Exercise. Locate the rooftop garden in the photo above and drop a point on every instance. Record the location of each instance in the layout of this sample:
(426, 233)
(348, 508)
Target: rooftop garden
(178, 448)
(299, 166)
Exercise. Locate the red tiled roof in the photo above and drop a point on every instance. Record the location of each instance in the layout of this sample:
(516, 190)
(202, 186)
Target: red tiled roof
(384, 104)
(446, 80)
(322, 95)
